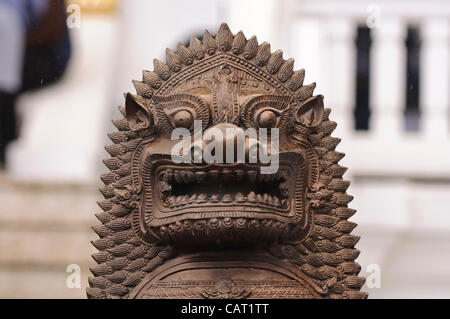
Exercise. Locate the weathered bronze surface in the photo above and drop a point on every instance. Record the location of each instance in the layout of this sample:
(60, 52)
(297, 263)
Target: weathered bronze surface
(199, 230)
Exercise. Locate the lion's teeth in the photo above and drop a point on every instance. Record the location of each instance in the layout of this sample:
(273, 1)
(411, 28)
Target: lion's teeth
(251, 197)
(171, 200)
(227, 198)
(177, 176)
(179, 199)
(190, 176)
(217, 176)
(239, 197)
(202, 198)
(184, 176)
(200, 176)
(163, 177)
(214, 198)
(164, 188)
(276, 201)
(169, 174)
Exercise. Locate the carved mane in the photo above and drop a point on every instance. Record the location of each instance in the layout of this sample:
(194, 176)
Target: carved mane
(326, 254)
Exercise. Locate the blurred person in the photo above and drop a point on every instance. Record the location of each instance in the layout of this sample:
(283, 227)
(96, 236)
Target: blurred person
(34, 52)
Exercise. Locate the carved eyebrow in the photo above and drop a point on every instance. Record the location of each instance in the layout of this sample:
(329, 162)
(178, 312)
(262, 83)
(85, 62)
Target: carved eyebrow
(169, 102)
(172, 99)
(279, 102)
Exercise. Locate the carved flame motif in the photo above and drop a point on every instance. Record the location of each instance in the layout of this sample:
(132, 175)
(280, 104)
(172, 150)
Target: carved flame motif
(159, 215)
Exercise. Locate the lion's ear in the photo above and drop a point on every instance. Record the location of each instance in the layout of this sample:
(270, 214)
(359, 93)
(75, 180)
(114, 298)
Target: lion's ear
(138, 115)
(310, 112)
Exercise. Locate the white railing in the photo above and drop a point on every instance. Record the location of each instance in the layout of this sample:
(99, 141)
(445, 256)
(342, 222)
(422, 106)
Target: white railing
(400, 180)
(321, 37)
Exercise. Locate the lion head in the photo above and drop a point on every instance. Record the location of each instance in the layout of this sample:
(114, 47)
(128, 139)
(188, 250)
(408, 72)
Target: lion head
(223, 148)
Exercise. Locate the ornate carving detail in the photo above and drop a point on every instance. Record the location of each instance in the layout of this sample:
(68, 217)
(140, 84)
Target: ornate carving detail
(228, 289)
(225, 289)
(155, 210)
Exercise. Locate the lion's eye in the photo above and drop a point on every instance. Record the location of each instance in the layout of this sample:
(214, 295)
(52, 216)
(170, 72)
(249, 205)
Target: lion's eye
(183, 119)
(267, 118)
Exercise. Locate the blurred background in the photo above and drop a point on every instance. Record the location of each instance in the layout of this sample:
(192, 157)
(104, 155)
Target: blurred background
(383, 67)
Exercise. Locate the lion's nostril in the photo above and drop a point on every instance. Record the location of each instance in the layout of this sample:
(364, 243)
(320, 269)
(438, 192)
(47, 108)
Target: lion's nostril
(196, 154)
(252, 150)
(221, 144)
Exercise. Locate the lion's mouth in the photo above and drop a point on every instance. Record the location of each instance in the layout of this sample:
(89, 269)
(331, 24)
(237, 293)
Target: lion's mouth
(182, 187)
(177, 192)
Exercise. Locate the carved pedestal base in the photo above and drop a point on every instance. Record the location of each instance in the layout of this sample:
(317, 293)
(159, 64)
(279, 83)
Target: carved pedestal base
(231, 276)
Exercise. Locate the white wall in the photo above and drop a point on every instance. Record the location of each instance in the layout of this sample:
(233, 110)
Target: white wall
(63, 126)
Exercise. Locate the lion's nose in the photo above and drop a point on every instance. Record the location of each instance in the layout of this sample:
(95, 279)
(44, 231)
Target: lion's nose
(226, 143)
